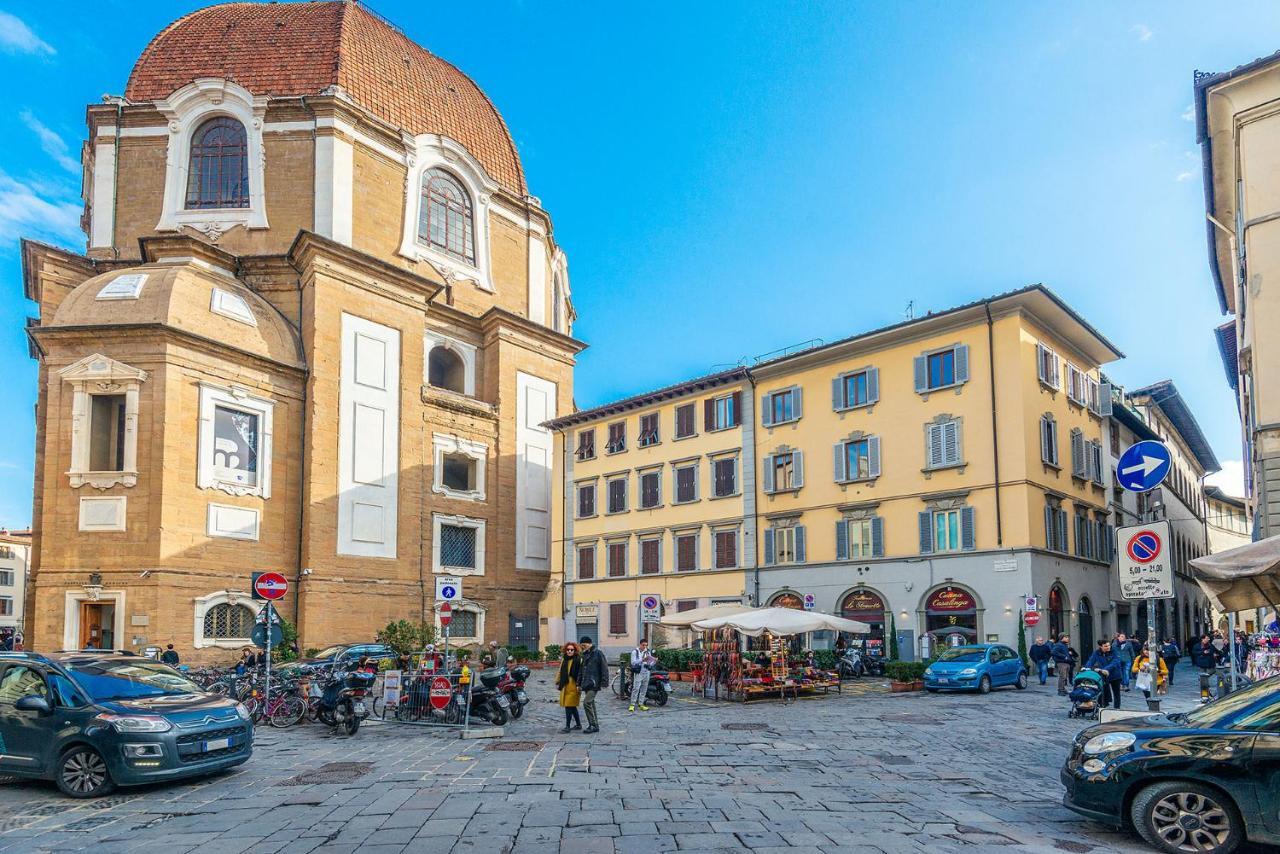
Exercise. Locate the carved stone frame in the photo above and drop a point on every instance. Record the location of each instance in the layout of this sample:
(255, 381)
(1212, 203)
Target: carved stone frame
(100, 375)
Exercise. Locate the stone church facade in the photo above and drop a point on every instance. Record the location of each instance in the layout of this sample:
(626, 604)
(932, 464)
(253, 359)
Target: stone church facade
(317, 329)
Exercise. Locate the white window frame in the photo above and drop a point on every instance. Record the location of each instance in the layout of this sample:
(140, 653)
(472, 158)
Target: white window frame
(238, 398)
(186, 110)
(725, 400)
(784, 544)
(10, 573)
(95, 375)
(945, 513)
(471, 607)
(477, 451)
(431, 151)
(1077, 386)
(465, 351)
(204, 604)
(438, 520)
(866, 523)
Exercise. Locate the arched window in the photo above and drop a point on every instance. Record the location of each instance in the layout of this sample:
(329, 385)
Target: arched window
(218, 173)
(445, 369)
(444, 218)
(228, 621)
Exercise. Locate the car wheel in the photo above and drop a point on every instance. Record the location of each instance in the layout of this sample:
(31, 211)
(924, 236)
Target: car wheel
(984, 685)
(1180, 816)
(82, 773)
(1021, 684)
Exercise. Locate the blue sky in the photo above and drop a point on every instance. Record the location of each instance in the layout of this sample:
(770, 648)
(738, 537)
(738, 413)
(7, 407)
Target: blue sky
(729, 179)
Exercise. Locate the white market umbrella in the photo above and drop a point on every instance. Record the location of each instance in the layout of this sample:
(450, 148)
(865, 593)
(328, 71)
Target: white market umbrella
(782, 621)
(684, 619)
(1242, 578)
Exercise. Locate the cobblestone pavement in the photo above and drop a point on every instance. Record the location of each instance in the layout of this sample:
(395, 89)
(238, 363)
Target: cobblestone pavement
(863, 771)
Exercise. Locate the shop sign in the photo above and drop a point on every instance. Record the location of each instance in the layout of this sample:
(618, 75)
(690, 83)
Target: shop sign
(788, 600)
(949, 599)
(586, 612)
(864, 602)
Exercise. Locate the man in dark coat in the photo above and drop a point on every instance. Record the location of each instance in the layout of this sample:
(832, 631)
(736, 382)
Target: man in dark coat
(1062, 655)
(595, 677)
(1040, 654)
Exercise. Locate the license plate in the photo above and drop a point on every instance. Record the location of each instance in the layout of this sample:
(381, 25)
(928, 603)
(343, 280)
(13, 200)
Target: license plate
(666, 686)
(216, 744)
(942, 680)
(522, 697)
(503, 701)
(359, 707)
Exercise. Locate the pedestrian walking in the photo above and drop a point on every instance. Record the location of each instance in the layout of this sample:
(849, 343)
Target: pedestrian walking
(1145, 676)
(642, 662)
(1170, 652)
(1124, 651)
(499, 655)
(1106, 661)
(169, 656)
(1040, 655)
(1061, 653)
(595, 676)
(568, 680)
(1205, 658)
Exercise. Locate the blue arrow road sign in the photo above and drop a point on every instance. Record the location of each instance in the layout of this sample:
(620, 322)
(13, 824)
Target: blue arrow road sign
(1143, 466)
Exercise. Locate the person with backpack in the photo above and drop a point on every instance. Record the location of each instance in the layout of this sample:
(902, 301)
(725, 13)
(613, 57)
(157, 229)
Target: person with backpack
(1171, 654)
(642, 662)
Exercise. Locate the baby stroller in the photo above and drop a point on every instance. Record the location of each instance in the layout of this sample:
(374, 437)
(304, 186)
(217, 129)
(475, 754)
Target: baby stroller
(1085, 689)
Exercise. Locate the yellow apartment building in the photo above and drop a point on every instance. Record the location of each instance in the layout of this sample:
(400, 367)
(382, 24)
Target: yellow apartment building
(924, 478)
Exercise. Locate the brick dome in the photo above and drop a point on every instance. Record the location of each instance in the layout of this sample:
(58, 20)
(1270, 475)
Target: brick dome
(290, 49)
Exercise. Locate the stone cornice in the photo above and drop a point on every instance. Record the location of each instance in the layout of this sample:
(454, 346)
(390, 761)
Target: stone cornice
(95, 333)
(499, 318)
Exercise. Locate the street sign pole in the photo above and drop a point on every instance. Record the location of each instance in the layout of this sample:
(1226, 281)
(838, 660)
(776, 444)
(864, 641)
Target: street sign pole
(1153, 648)
(1231, 649)
(266, 696)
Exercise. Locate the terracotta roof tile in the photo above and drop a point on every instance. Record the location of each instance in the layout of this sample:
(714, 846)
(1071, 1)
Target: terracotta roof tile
(286, 49)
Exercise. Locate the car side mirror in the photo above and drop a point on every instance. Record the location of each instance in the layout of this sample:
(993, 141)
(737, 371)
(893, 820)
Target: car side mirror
(34, 704)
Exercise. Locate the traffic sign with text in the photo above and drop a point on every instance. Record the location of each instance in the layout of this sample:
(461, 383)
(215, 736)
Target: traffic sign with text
(1142, 558)
(650, 609)
(448, 588)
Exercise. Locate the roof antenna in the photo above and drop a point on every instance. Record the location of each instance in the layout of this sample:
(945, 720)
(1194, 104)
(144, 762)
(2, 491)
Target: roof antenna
(910, 313)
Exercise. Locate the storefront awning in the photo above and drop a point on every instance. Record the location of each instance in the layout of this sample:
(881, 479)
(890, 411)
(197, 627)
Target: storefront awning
(782, 621)
(1243, 578)
(688, 618)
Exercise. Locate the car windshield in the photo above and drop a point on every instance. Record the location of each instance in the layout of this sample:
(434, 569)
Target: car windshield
(125, 680)
(1215, 713)
(331, 652)
(960, 653)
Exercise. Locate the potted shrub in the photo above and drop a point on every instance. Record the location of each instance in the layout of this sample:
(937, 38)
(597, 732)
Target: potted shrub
(905, 676)
(553, 655)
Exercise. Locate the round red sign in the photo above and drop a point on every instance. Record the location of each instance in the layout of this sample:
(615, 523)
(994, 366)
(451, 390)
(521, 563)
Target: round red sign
(446, 614)
(1031, 618)
(271, 585)
(441, 691)
(1143, 547)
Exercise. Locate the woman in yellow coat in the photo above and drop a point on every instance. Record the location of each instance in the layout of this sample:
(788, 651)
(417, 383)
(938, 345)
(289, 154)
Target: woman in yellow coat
(1142, 665)
(567, 682)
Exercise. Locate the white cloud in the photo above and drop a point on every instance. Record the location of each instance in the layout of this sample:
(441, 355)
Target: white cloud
(1230, 480)
(1184, 176)
(26, 213)
(1142, 31)
(53, 145)
(1189, 114)
(16, 37)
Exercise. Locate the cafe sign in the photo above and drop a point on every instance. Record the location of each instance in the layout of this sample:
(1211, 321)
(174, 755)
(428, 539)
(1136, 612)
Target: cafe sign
(950, 600)
(587, 612)
(862, 600)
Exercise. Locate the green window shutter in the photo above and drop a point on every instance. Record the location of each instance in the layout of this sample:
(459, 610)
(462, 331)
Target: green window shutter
(769, 556)
(968, 536)
(842, 539)
(962, 363)
(922, 373)
(768, 475)
(797, 469)
(800, 556)
(926, 532)
(877, 536)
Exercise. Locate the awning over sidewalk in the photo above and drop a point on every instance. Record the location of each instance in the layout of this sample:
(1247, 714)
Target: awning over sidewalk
(688, 618)
(782, 621)
(1242, 578)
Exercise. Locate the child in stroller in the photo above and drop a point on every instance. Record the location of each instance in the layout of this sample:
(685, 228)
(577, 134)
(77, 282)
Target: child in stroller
(1085, 690)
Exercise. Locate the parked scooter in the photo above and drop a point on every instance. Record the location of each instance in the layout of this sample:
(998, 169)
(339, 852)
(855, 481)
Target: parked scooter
(487, 701)
(341, 702)
(512, 687)
(850, 665)
(658, 692)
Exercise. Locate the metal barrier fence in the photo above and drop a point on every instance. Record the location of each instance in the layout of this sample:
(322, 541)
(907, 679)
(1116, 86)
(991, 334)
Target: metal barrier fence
(426, 696)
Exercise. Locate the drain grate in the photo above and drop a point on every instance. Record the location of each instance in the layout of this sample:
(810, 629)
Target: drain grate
(515, 745)
(331, 772)
(741, 727)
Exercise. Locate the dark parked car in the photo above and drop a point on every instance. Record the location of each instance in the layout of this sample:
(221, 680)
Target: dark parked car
(91, 721)
(345, 655)
(1205, 780)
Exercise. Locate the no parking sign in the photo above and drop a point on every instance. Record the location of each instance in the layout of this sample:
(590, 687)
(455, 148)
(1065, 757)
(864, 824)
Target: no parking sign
(1143, 562)
(650, 609)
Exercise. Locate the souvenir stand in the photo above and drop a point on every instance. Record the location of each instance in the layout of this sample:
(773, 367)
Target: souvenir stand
(1264, 656)
(732, 672)
(1242, 579)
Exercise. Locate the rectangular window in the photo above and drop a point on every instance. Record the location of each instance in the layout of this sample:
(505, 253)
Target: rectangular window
(1095, 462)
(856, 390)
(1047, 366)
(457, 546)
(650, 557)
(1048, 440)
(781, 407)
(617, 553)
(618, 619)
(650, 489)
(946, 530)
(943, 444)
(942, 369)
(6, 553)
(463, 624)
(726, 549)
(686, 552)
(586, 500)
(783, 472)
(617, 495)
(6, 606)
(685, 426)
(683, 605)
(586, 563)
(235, 446)
(617, 438)
(724, 412)
(586, 444)
(106, 432)
(1115, 441)
(6, 578)
(860, 544)
(858, 459)
(686, 484)
(726, 477)
(458, 472)
(1077, 388)
(648, 430)
(1094, 394)
(784, 545)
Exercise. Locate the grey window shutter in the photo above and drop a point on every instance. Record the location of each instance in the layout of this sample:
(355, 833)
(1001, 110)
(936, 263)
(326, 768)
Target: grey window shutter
(955, 453)
(1104, 400)
(799, 530)
(797, 402)
(769, 556)
(1040, 362)
(1044, 440)
(877, 536)
(768, 475)
(873, 456)
(926, 532)
(968, 536)
(837, 393)
(766, 411)
(839, 461)
(1062, 531)
(933, 445)
(922, 374)
(842, 539)
(1077, 454)
(1111, 542)
(797, 469)
(873, 385)
(962, 363)
(1048, 528)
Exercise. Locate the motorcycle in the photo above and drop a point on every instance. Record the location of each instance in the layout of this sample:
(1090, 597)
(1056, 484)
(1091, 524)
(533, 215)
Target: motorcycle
(487, 701)
(658, 692)
(512, 687)
(341, 703)
(850, 665)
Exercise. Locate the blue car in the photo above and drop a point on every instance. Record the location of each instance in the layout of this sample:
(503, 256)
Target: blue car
(980, 668)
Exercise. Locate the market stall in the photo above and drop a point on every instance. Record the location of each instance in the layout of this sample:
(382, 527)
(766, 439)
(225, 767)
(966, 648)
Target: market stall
(1242, 579)
(738, 669)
